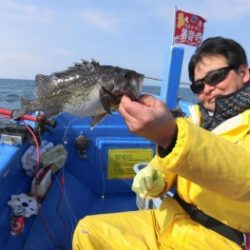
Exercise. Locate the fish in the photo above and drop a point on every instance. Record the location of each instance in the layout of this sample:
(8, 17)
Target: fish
(84, 89)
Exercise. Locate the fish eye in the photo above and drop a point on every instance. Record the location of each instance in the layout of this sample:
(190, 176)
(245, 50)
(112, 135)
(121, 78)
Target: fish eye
(126, 76)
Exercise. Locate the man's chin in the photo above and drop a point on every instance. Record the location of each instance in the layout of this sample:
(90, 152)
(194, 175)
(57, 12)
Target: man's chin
(210, 106)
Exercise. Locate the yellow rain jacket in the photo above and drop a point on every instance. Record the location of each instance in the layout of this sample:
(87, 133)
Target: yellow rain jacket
(210, 172)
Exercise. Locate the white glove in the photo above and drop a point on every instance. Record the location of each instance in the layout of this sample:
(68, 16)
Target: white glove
(148, 183)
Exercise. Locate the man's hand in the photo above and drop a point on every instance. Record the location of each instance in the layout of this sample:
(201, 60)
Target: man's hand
(148, 183)
(149, 118)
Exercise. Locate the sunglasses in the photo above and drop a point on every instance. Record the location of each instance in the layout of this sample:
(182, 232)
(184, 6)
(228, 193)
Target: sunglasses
(212, 78)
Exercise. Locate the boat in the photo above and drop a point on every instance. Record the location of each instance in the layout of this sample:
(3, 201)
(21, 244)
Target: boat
(95, 177)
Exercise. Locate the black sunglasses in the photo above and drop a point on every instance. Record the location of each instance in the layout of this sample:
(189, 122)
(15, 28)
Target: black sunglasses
(212, 78)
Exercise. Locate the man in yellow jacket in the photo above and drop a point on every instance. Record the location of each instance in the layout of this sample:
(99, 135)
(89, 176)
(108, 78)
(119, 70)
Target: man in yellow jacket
(206, 158)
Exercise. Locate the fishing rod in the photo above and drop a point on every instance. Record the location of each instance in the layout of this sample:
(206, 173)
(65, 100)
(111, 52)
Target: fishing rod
(14, 115)
(19, 115)
(153, 78)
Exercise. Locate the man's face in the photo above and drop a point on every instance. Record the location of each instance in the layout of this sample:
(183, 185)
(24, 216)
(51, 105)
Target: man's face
(234, 80)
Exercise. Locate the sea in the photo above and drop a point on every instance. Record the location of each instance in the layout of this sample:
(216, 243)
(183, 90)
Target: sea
(11, 90)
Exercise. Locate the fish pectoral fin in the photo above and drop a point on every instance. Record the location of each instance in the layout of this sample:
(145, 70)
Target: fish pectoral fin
(107, 100)
(96, 119)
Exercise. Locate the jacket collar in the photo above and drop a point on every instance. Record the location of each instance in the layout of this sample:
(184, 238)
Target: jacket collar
(226, 107)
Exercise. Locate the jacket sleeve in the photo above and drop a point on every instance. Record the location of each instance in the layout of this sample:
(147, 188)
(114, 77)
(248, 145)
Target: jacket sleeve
(209, 160)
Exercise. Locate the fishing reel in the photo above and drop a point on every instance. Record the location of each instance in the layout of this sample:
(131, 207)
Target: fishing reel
(14, 131)
(81, 144)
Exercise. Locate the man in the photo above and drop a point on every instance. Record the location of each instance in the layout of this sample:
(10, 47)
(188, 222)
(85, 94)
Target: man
(206, 157)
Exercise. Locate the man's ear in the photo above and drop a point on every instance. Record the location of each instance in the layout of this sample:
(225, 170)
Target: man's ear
(244, 72)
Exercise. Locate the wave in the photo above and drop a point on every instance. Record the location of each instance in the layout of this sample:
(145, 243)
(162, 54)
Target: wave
(12, 98)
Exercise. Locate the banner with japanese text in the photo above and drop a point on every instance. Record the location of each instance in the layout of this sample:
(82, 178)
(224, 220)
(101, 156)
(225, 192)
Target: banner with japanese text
(188, 28)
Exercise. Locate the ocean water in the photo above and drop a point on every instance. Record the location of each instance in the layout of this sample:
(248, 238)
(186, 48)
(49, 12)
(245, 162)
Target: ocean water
(11, 90)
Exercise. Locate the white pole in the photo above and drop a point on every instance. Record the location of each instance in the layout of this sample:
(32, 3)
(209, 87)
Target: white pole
(174, 26)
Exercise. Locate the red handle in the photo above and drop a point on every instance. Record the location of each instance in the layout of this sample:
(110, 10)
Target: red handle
(40, 118)
(9, 113)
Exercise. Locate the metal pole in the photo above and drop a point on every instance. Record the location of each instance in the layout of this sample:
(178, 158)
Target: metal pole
(174, 25)
(172, 76)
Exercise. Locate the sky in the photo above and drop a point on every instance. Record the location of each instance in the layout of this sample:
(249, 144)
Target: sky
(48, 36)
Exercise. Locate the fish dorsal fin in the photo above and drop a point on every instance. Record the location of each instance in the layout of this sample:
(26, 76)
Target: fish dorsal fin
(42, 85)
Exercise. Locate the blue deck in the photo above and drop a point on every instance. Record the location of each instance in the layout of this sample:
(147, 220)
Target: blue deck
(88, 187)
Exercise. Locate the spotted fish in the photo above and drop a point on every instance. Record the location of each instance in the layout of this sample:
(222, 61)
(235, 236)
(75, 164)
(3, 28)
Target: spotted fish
(84, 89)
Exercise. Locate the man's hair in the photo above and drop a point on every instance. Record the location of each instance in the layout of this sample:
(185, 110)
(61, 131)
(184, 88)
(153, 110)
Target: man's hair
(228, 48)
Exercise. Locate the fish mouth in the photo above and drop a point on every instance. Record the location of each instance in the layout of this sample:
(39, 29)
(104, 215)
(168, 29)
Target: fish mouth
(135, 91)
(132, 92)
(132, 96)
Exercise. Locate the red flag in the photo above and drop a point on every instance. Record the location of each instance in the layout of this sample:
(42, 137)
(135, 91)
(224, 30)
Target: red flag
(247, 247)
(188, 28)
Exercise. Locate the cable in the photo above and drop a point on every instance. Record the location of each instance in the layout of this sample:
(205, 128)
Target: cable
(41, 214)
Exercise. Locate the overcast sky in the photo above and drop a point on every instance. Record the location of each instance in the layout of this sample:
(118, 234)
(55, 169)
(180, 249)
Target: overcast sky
(47, 36)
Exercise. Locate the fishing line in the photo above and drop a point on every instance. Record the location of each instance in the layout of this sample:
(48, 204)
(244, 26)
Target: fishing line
(66, 129)
(98, 166)
(70, 211)
(62, 186)
(93, 166)
(62, 189)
